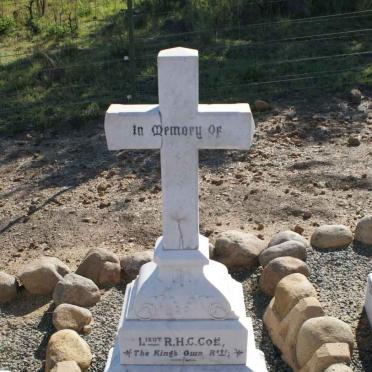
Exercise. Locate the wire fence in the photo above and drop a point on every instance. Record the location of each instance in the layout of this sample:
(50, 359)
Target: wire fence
(73, 76)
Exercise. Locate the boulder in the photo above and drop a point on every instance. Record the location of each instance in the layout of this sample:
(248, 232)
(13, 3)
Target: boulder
(287, 235)
(277, 269)
(76, 290)
(67, 345)
(363, 231)
(101, 266)
(67, 316)
(331, 236)
(318, 331)
(261, 105)
(131, 263)
(356, 96)
(291, 289)
(8, 287)
(67, 366)
(326, 355)
(290, 248)
(305, 309)
(42, 275)
(272, 324)
(338, 367)
(237, 249)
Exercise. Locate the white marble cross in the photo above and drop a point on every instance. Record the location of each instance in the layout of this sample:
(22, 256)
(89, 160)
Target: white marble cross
(179, 126)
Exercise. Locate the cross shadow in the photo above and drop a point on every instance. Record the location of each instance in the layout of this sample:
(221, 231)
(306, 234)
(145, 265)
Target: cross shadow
(364, 341)
(362, 249)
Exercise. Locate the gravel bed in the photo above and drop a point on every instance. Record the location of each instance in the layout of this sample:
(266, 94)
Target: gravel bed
(339, 276)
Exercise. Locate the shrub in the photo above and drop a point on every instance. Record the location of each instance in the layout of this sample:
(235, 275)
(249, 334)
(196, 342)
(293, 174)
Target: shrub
(6, 24)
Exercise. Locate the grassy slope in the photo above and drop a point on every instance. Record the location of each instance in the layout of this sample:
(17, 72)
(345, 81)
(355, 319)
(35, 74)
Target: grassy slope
(63, 76)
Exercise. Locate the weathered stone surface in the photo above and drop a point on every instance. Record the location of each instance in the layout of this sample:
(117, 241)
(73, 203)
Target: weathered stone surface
(277, 269)
(76, 290)
(42, 275)
(66, 366)
(8, 287)
(67, 316)
(237, 249)
(131, 263)
(272, 324)
(67, 345)
(289, 291)
(363, 231)
(326, 355)
(285, 236)
(305, 309)
(318, 331)
(290, 248)
(338, 367)
(101, 266)
(331, 236)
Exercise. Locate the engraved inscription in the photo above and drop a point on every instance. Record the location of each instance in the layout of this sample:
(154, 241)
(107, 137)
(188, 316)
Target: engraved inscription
(196, 131)
(186, 349)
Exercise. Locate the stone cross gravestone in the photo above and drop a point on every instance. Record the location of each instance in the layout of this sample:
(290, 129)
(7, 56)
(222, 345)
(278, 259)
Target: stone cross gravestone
(183, 310)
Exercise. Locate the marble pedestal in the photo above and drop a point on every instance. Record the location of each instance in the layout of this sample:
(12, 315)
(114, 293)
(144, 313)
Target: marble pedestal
(184, 312)
(368, 304)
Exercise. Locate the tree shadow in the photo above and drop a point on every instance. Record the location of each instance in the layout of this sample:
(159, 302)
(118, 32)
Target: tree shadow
(46, 326)
(25, 303)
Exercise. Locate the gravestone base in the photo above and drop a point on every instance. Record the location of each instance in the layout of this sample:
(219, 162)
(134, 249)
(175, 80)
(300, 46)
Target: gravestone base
(184, 312)
(368, 304)
(256, 363)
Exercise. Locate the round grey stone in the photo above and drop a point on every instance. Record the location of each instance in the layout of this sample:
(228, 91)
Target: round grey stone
(363, 231)
(8, 287)
(237, 249)
(76, 290)
(331, 236)
(287, 235)
(290, 248)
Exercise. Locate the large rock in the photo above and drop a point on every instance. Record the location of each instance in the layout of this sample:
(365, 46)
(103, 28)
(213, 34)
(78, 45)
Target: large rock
(318, 331)
(238, 250)
(8, 287)
(261, 105)
(287, 235)
(42, 275)
(338, 367)
(272, 323)
(305, 309)
(355, 96)
(363, 231)
(67, 316)
(76, 290)
(131, 263)
(331, 236)
(277, 269)
(290, 248)
(67, 366)
(101, 266)
(290, 290)
(327, 355)
(67, 345)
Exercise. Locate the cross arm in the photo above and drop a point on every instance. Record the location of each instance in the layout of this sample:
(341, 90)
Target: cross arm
(226, 126)
(132, 127)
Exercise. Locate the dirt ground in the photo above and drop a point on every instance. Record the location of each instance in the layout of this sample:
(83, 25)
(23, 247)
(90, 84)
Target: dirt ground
(62, 194)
